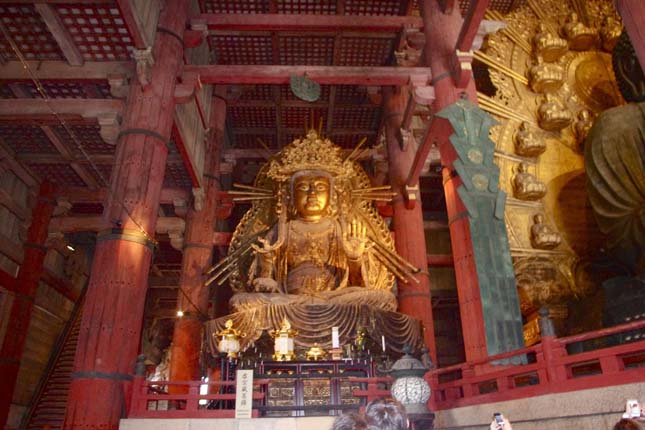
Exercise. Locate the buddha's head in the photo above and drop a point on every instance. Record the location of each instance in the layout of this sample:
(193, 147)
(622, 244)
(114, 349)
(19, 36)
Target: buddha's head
(311, 191)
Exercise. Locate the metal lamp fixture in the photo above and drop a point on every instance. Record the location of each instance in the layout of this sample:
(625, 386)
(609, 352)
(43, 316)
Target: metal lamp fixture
(229, 340)
(284, 342)
(409, 387)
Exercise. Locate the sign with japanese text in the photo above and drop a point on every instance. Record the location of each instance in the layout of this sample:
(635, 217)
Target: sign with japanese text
(244, 394)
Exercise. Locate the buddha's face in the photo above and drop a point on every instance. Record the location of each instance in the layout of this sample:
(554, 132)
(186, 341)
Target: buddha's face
(311, 196)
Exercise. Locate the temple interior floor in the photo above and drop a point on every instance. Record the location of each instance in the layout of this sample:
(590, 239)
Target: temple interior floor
(593, 409)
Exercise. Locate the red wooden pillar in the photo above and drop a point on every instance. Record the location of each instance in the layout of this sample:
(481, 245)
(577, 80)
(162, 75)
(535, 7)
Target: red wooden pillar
(112, 316)
(26, 284)
(633, 14)
(198, 250)
(414, 299)
(442, 33)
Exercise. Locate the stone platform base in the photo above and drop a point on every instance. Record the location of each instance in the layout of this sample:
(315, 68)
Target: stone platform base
(594, 409)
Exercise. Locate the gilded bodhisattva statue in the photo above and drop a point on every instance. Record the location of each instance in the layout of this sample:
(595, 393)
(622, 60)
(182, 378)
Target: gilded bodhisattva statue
(316, 237)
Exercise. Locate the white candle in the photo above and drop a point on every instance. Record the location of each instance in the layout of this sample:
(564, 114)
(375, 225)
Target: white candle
(383, 343)
(335, 340)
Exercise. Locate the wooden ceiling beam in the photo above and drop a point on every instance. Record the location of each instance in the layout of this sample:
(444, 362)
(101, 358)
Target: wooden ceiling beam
(87, 108)
(97, 223)
(241, 153)
(324, 75)
(300, 130)
(95, 158)
(61, 70)
(86, 195)
(300, 23)
(57, 28)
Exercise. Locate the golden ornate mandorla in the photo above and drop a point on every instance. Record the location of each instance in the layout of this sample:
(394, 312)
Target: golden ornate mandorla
(313, 242)
(552, 77)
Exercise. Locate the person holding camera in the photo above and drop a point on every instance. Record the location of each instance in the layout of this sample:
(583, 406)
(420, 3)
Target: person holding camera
(500, 423)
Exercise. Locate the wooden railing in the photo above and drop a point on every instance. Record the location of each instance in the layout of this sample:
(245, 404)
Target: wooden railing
(551, 367)
(150, 399)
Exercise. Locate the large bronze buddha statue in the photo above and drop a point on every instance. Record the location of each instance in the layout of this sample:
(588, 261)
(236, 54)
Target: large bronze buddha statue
(312, 239)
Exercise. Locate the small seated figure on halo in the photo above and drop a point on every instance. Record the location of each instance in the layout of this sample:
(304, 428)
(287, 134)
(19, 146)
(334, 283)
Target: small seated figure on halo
(526, 186)
(552, 116)
(527, 143)
(548, 45)
(543, 236)
(545, 77)
(581, 37)
(610, 31)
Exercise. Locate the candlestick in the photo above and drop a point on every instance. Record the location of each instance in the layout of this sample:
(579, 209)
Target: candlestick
(335, 340)
(383, 342)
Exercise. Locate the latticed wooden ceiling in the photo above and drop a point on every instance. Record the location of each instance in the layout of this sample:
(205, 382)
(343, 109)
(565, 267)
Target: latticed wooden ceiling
(64, 143)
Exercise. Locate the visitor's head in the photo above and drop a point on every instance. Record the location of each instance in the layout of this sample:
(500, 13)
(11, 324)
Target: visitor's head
(311, 194)
(351, 421)
(628, 424)
(386, 414)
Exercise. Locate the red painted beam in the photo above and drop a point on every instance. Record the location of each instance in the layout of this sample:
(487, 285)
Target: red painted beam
(282, 22)
(422, 155)
(471, 24)
(7, 281)
(325, 75)
(440, 260)
(633, 14)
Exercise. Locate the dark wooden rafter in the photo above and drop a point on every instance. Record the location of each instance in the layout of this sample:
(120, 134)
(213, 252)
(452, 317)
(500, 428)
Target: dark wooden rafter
(324, 75)
(183, 152)
(299, 130)
(471, 24)
(241, 154)
(296, 103)
(61, 147)
(22, 172)
(306, 23)
(59, 31)
(85, 195)
(60, 70)
(95, 158)
(275, 91)
(88, 108)
(56, 1)
(133, 24)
